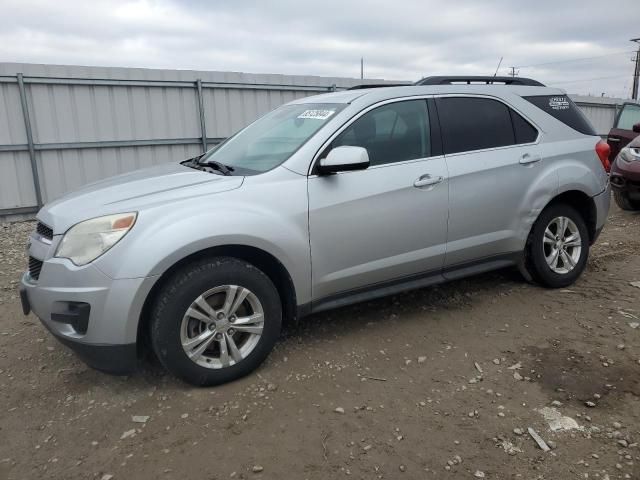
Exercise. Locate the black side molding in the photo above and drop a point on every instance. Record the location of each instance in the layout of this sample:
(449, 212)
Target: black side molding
(411, 282)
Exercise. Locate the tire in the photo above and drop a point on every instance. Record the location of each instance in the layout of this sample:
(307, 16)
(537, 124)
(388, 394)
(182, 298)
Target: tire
(623, 201)
(538, 249)
(215, 280)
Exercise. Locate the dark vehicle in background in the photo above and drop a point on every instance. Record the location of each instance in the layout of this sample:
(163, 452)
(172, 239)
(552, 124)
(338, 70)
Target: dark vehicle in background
(625, 128)
(625, 175)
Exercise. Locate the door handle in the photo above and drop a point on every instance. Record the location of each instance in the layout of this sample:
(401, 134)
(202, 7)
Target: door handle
(427, 181)
(527, 159)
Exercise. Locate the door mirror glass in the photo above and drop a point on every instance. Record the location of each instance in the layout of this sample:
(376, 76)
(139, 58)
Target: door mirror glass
(344, 159)
(636, 128)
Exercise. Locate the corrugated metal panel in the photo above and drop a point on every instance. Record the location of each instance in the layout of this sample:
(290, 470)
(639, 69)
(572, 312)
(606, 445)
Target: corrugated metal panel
(71, 104)
(64, 170)
(601, 116)
(63, 113)
(11, 123)
(16, 185)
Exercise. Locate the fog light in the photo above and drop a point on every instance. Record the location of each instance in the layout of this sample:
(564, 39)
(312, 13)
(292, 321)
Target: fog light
(75, 314)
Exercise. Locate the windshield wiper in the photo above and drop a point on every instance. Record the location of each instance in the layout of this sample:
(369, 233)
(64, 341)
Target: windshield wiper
(221, 167)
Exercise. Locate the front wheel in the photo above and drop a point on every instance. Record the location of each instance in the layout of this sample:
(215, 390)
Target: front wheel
(215, 321)
(558, 246)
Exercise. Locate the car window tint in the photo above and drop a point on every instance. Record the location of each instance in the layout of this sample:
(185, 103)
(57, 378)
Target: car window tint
(391, 133)
(474, 124)
(629, 116)
(562, 108)
(524, 131)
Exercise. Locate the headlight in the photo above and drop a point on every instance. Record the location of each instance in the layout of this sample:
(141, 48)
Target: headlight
(630, 154)
(86, 241)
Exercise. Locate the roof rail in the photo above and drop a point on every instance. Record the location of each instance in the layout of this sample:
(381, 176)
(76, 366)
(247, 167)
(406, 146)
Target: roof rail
(488, 80)
(379, 85)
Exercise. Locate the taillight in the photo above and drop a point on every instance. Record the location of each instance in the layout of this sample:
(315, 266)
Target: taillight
(603, 150)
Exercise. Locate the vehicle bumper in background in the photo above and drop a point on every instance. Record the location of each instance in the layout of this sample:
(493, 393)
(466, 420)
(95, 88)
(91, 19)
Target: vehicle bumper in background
(93, 314)
(625, 178)
(629, 187)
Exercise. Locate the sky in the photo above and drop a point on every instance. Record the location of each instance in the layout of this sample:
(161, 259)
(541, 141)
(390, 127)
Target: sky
(552, 41)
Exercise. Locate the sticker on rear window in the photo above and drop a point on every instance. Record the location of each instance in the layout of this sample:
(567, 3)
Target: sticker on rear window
(317, 114)
(559, 103)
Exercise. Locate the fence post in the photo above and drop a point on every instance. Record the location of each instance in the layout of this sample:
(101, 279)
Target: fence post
(32, 150)
(203, 124)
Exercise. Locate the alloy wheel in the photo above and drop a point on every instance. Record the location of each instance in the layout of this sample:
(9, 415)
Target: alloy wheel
(222, 326)
(562, 245)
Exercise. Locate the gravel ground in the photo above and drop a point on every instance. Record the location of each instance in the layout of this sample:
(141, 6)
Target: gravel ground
(438, 383)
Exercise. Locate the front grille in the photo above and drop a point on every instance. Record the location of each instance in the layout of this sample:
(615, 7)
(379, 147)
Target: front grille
(35, 266)
(44, 231)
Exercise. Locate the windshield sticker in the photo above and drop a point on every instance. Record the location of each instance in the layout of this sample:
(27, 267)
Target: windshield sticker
(559, 103)
(317, 114)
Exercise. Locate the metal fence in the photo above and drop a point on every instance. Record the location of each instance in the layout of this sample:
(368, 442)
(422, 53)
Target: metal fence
(62, 127)
(601, 111)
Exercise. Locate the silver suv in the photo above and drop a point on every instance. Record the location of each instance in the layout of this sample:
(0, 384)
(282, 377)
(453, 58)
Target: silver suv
(325, 201)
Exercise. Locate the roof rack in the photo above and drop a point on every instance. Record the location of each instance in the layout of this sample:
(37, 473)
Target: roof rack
(379, 85)
(488, 80)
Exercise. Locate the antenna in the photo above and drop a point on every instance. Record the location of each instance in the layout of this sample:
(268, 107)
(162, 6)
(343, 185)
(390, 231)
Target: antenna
(498, 67)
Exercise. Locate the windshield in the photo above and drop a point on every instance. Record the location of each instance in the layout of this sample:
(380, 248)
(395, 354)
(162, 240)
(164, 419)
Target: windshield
(272, 139)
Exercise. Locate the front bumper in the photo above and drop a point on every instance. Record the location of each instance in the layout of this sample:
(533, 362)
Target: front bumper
(88, 311)
(625, 178)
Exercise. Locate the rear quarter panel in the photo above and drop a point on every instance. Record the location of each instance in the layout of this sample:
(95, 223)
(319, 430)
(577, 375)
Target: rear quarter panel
(578, 166)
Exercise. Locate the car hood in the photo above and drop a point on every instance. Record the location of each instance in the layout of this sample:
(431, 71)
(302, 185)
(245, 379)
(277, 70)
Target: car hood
(140, 189)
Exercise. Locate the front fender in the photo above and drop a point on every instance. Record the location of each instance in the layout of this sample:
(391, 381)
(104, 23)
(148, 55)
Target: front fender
(162, 238)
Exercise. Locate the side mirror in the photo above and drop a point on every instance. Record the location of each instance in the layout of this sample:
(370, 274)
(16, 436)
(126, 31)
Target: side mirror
(636, 128)
(344, 159)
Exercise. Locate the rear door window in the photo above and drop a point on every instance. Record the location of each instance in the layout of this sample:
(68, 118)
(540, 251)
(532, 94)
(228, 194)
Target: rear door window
(524, 131)
(562, 108)
(628, 117)
(470, 123)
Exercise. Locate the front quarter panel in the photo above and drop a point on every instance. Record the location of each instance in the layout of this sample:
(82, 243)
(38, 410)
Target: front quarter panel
(269, 212)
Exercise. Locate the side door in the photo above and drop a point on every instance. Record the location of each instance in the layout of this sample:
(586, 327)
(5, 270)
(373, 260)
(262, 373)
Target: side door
(389, 221)
(622, 132)
(493, 161)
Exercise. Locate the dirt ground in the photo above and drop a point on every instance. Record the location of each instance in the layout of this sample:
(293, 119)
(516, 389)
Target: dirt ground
(438, 383)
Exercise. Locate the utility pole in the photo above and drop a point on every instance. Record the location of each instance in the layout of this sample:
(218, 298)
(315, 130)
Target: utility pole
(636, 71)
(361, 67)
(513, 72)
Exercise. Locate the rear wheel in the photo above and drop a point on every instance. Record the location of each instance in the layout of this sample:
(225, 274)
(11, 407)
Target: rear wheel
(624, 202)
(558, 246)
(215, 321)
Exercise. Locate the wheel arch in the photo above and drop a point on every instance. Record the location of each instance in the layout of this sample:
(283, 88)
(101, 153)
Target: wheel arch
(261, 259)
(584, 204)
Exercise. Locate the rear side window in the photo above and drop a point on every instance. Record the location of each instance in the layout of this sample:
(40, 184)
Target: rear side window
(629, 116)
(474, 124)
(562, 108)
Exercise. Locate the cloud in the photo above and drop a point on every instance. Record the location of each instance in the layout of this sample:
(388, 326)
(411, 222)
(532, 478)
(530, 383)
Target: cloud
(402, 40)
